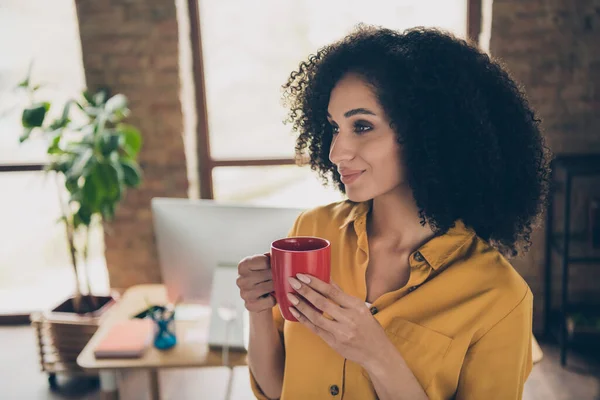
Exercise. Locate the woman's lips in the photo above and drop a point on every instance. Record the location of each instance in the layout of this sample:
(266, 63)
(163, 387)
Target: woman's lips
(349, 178)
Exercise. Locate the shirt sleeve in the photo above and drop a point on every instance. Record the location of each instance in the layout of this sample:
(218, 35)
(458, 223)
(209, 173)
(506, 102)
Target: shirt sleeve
(279, 322)
(278, 319)
(498, 364)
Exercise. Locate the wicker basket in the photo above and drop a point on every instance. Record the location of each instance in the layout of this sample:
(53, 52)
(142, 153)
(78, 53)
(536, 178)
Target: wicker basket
(62, 336)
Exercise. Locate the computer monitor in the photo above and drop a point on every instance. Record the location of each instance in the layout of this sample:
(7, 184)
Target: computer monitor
(194, 237)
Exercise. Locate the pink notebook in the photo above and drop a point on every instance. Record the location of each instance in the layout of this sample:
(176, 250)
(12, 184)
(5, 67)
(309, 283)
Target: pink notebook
(126, 339)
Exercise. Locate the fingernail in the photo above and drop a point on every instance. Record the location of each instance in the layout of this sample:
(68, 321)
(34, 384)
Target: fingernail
(295, 284)
(294, 312)
(292, 299)
(303, 278)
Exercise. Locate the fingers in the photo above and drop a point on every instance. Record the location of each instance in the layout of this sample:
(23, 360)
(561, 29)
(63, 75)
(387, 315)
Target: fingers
(313, 316)
(329, 290)
(254, 263)
(326, 336)
(257, 291)
(318, 300)
(252, 278)
(255, 283)
(259, 305)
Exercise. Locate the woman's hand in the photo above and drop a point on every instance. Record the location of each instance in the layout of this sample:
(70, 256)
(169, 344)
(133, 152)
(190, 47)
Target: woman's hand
(354, 333)
(256, 283)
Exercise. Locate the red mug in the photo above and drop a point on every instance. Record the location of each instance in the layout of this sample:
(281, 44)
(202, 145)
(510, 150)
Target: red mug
(298, 255)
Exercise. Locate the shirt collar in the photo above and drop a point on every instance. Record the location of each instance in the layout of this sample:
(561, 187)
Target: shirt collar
(358, 210)
(442, 249)
(436, 252)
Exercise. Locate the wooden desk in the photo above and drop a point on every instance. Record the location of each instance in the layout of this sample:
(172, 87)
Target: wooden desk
(191, 349)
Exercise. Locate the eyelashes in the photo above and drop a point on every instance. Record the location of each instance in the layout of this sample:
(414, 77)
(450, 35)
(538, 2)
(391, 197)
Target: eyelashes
(359, 128)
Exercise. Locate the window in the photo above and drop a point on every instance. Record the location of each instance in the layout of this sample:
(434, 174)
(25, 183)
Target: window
(56, 57)
(276, 185)
(35, 269)
(35, 266)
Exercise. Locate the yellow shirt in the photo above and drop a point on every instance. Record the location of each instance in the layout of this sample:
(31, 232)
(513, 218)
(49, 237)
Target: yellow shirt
(462, 323)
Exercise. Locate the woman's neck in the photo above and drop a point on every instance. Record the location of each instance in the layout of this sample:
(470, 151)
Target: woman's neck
(395, 217)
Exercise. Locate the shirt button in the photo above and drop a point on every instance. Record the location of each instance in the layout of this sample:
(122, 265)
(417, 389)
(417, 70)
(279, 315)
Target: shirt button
(334, 390)
(374, 310)
(419, 257)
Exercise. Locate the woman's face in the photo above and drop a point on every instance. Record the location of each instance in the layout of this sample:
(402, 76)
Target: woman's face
(364, 146)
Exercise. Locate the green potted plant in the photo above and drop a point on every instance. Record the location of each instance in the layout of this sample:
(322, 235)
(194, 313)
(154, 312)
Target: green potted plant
(93, 153)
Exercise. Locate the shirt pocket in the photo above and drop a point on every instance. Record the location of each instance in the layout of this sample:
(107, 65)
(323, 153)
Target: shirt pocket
(423, 349)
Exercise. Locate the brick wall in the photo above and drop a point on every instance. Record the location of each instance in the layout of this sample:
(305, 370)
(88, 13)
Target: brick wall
(131, 46)
(552, 47)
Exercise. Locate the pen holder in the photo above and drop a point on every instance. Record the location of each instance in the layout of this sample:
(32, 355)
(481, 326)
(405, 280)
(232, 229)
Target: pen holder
(164, 330)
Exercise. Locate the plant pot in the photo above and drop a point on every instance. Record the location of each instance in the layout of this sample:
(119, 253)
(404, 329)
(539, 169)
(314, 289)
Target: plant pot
(62, 334)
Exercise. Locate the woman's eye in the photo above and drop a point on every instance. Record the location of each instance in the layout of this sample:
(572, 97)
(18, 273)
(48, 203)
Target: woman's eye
(361, 128)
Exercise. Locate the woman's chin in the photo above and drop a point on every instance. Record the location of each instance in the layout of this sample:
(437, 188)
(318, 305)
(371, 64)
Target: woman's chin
(357, 196)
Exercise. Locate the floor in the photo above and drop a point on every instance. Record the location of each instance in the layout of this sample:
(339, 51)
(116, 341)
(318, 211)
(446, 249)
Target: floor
(20, 376)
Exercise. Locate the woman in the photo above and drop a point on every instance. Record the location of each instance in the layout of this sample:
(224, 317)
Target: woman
(445, 171)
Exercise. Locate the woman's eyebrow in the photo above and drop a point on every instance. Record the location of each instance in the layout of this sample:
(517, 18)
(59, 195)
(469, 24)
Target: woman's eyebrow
(355, 111)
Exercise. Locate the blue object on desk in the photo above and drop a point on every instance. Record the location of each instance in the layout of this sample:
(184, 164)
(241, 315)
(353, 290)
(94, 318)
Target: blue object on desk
(164, 330)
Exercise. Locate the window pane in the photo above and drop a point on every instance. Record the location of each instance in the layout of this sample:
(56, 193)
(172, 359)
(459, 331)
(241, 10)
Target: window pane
(35, 266)
(46, 33)
(249, 51)
(286, 185)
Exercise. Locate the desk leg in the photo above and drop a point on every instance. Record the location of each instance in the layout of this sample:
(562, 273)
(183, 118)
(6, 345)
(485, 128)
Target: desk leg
(229, 384)
(108, 385)
(154, 385)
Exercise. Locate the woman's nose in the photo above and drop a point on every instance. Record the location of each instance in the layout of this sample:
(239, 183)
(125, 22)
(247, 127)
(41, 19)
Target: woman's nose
(341, 149)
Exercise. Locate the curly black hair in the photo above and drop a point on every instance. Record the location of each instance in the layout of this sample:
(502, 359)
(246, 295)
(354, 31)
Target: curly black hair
(471, 143)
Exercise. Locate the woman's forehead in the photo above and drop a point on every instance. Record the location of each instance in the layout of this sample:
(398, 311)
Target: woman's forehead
(352, 92)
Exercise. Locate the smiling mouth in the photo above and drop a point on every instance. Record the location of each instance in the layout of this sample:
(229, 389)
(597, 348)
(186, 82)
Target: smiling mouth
(350, 178)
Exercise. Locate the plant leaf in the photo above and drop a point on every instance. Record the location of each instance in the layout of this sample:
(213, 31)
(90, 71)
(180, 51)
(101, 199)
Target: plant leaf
(25, 135)
(64, 119)
(91, 192)
(117, 103)
(59, 124)
(115, 161)
(91, 111)
(76, 197)
(88, 96)
(100, 97)
(62, 165)
(110, 143)
(25, 82)
(80, 164)
(132, 142)
(76, 221)
(72, 185)
(108, 211)
(33, 116)
(54, 147)
(132, 174)
(109, 181)
(85, 215)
